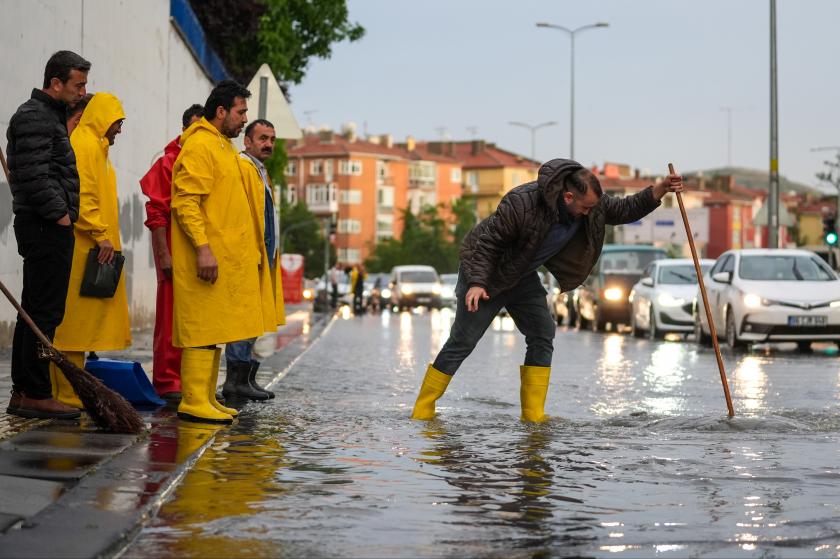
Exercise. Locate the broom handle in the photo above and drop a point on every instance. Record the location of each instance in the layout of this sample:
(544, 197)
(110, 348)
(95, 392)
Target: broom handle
(28, 319)
(712, 329)
(5, 167)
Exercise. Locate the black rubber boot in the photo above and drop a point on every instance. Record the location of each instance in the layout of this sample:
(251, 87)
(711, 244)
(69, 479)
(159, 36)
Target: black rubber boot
(236, 382)
(252, 380)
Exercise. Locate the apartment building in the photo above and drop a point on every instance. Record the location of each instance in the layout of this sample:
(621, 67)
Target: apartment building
(488, 171)
(433, 179)
(363, 184)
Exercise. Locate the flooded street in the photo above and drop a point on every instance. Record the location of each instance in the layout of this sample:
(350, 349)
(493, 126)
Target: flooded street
(638, 459)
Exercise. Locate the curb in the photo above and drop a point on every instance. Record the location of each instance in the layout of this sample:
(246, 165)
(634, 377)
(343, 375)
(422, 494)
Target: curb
(103, 513)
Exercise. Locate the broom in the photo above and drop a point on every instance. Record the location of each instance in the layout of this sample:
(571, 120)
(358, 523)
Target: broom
(109, 410)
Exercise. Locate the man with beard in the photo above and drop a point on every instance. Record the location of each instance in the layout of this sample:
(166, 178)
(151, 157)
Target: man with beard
(242, 366)
(558, 221)
(45, 191)
(216, 259)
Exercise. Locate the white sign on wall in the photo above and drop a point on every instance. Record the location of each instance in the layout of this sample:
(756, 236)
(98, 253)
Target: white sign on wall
(665, 225)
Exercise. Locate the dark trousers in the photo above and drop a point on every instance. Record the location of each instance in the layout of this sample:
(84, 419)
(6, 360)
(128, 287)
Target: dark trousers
(47, 251)
(525, 302)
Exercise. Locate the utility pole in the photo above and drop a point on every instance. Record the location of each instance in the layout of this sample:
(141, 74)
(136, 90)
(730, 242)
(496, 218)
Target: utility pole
(773, 198)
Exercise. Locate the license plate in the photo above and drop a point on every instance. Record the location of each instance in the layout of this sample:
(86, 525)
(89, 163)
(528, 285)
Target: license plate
(808, 320)
(423, 299)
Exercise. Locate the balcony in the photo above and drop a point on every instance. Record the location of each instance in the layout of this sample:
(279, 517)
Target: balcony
(322, 199)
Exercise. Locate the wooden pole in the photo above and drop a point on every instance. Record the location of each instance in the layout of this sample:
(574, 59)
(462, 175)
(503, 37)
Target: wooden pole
(705, 297)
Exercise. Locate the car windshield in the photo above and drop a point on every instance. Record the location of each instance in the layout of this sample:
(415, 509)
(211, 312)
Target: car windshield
(784, 268)
(418, 276)
(680, 275)
(628, 261)
(450, 279)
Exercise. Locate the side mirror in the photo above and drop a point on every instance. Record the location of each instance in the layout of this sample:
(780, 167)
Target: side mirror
(722, 277)
(647, 282)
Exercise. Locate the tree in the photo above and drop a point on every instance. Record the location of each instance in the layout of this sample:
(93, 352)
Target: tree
(464, 215)
(301, 233)
(286, 34)
(832, 176)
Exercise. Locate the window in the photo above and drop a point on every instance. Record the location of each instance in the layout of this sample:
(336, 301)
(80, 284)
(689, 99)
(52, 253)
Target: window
(351, 197)
(385, 196)
(316, 167)
(682, 274)
(382, 171)
(319, 194)
(384, 226)
(456, 175)
(422, 173)
(784, 268)
(472, 181)
(291, 169)
(328, 169)
(291, 196)
(349, 255)
(350, 167)
(352, 226)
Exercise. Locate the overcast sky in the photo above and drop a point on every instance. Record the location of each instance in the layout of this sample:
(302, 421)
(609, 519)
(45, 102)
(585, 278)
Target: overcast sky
(650, 88)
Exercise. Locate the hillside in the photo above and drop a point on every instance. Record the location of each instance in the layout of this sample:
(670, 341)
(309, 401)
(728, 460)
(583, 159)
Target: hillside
(757, 180)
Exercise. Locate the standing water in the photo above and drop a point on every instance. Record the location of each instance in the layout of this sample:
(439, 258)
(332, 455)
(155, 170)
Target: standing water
(639, 458)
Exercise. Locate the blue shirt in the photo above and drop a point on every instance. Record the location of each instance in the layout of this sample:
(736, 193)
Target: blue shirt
(558, 236)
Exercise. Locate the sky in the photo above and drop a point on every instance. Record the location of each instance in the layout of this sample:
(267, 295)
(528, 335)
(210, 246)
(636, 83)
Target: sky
(650, 89)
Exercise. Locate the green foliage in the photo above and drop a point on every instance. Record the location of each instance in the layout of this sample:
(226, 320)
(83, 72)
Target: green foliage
(286, 34)
(832, 176)
(302, 233)
(427, 239)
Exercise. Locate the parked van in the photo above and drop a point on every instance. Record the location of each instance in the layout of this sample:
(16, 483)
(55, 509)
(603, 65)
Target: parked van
(414, 286)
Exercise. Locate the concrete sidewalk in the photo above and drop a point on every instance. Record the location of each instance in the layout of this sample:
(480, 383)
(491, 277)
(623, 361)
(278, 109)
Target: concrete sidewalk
(70, 490)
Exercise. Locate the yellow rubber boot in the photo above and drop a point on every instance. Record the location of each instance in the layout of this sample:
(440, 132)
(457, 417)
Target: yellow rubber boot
(196, 383)
(217, 359)
(433, 387)
(62, 390)
(532, 392)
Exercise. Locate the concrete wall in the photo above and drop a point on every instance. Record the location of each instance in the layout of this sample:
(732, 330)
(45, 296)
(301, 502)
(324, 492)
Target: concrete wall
(137, 55)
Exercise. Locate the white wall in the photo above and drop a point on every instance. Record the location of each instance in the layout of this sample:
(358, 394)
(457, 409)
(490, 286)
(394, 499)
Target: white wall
(138, 56)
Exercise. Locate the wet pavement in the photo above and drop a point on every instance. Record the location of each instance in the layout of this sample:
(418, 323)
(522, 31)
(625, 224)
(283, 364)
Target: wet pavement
(638, 460)
(70, 490)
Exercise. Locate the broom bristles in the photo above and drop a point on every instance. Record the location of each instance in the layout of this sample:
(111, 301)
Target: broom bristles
(108, 409)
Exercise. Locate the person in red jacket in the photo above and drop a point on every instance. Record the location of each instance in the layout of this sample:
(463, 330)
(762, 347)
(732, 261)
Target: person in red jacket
(157, 186)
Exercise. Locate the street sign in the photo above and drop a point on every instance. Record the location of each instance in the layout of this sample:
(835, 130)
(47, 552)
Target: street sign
(267, 101)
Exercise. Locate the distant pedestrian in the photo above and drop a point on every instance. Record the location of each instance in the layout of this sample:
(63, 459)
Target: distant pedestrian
(94, 323)
(216, 259)
(242, 364)
(156, 184)
(335, 274)
(558, 221)
(45, 192)
(357, 285)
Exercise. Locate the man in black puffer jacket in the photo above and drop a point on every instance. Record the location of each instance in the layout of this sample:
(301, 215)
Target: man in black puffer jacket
(557, 221)
(45, 191)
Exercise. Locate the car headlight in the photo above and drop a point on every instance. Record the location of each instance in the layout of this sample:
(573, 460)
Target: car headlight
(307, 293)
(386, 293)
(834, 304)
(668, 300)
(752, 301)
(406, 290)
(613, 294)
(436, 289)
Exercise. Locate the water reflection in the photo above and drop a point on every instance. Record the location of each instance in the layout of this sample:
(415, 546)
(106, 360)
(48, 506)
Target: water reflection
(406, 348)
(663, 377)
(615, 376)
(750, 383)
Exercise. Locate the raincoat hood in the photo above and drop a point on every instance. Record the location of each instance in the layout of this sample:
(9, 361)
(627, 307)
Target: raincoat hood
(200, 126)
(552, 178)
(103, 110)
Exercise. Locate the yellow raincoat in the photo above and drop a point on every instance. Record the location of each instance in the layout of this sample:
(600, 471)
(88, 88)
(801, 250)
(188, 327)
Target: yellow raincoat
(211, 206)
(271, 283)
(92, 323)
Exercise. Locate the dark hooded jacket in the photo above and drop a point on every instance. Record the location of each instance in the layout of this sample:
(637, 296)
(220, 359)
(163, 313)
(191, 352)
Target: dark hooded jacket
(42, 164)
(499, 250)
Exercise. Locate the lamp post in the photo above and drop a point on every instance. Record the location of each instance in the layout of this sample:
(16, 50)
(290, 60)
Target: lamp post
(533, 128)
(773, 190)
(572, 33)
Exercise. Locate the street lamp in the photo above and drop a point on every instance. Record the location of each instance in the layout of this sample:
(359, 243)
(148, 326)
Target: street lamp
(571, 33)
(533, 128)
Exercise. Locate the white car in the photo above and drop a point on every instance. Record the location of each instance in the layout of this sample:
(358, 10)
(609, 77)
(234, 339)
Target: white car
(770, 295)
(662, 299)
